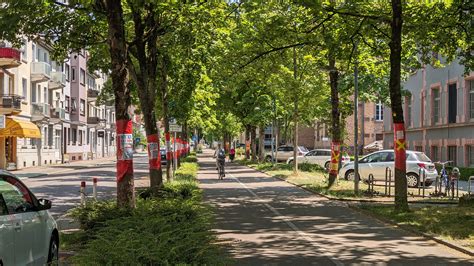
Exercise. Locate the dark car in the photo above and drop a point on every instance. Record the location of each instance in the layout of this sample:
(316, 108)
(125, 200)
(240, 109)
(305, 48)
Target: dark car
(163, 156)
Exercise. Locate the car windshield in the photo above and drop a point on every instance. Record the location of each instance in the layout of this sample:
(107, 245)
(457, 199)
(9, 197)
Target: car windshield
(303, 149)
(422, 157)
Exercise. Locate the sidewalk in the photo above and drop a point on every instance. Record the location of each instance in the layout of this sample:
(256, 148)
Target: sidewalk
(42, 171)
(266, 221)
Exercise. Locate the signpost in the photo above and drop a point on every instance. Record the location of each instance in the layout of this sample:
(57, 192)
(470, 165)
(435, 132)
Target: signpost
(175, 128)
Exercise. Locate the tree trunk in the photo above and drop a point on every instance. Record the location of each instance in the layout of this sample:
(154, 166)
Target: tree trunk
(253, 137)
(335, 120)
(247, 141)
(119, 76)
(164, 100)
(401, 201)
(261, 144)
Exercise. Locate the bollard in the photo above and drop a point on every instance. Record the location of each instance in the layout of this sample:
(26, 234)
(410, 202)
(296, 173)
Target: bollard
(424, 182)
(371, 184)
(83, 192)
(386, 178)
(389, 182)
(94, 188)
(420, 173)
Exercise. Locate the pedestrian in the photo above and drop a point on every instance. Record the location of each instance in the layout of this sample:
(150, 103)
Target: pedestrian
(232, 154)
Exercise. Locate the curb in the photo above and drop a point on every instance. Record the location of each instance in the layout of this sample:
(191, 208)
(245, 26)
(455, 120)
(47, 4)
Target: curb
(413, 231)
(385, 221)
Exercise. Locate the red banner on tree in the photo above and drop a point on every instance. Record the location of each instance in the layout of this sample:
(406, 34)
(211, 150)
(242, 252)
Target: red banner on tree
(124, 148)
(154, 156)
(335, 153)
(399, 146)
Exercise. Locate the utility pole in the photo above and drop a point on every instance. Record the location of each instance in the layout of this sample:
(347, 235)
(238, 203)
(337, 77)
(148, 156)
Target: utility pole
(356, 124)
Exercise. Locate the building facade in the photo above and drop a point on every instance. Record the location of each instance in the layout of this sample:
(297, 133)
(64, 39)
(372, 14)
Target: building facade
(44, 105)
(439, 114)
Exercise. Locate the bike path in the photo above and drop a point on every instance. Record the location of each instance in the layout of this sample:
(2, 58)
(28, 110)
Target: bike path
(266, 221)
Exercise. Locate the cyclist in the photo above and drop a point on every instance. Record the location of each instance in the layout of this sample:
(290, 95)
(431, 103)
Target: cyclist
(219, 154)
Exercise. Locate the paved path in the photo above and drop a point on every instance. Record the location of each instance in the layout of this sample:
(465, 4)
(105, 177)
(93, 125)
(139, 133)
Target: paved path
(266, 221)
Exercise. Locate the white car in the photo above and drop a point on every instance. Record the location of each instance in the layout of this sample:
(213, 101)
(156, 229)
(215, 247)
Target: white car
(376, 164)
(321, 157)
(285, 152)
(28, 233)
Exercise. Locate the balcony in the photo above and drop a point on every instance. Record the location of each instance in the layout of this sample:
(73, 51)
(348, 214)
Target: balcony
(9, 57)
(93, 120)
(40, 71)
(92, 95)
(10, 104)
(58, 80)
(58, 114)
(39, 112)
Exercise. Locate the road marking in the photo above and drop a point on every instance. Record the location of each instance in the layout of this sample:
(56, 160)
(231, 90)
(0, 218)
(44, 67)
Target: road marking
(290, 224)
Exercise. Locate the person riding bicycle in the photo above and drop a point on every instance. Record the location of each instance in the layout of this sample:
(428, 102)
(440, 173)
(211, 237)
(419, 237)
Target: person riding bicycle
(219, 154)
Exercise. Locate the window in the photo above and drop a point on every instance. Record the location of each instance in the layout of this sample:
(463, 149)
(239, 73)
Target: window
(452, 154)
(83, 107)
(80, 137)
(408, 102)
(379, 111)
(16, 196)
(74, 136)
(24, 86)
(470, 155)
(378, 136)
(419, 148)
(73, 105)
(73, 74)
(434, 153)
(24, 50)
(82, 77)
(435, 110)
(452, 103)
(66, 103)
(66, 71)
(471, 99)
(33, 52)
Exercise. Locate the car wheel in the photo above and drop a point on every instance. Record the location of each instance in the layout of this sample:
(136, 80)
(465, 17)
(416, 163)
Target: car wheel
(349, 175)
(412, 180)
(290, 162)
(53, 255)
(268, 159)
(326, 166)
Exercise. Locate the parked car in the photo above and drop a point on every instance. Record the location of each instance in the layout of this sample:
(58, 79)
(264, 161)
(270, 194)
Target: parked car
(28, 232)
(285, 152)
(377, 162)
(321, 157)
(163, 156)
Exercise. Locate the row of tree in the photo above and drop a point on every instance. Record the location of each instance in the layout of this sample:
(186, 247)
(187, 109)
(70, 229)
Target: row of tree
(222, 67)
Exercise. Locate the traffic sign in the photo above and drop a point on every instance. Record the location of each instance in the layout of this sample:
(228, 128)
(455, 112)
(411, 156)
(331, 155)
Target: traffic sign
(175, 128)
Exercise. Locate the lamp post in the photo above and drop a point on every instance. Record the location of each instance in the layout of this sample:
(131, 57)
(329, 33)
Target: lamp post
(356, 124)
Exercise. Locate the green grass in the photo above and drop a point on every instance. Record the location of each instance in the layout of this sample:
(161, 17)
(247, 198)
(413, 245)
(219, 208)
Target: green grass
(169, 227)
(451, 223)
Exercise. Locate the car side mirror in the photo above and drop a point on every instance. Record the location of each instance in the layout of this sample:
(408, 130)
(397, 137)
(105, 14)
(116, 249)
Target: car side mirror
(44, 204)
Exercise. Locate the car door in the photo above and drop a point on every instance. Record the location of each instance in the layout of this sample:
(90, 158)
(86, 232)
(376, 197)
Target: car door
(310, 157)
(287, 153)
(7, 232)
(376, 164)
(30, 226)
(365, 165)
(280, 153)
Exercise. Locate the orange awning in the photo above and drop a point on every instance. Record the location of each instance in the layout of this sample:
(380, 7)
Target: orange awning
(20, 129)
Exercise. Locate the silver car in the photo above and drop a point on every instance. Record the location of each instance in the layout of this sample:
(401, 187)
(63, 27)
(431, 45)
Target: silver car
(28, 232)
(285, 152)
(377, 162)
(321, 157)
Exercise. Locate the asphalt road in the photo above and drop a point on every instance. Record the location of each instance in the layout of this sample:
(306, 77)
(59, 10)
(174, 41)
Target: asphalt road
(61, 185)
(265, 221)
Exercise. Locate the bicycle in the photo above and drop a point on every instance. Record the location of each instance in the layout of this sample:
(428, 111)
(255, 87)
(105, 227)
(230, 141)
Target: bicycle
(220, 168)
(444, 179)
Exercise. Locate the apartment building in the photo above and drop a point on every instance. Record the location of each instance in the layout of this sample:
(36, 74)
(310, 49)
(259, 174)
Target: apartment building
(43, 106)
(439, 114)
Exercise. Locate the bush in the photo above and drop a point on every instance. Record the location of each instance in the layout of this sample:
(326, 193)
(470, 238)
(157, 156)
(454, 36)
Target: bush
(307, 167)
(465, 172)
(173, 227)
(189, 159)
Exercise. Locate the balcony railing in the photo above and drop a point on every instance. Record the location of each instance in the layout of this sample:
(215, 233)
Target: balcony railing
(58, 113)
(9, 57)
(93, 120)
(92, 94)
(40, 71)
(39, 111)
(58, 80)
(10, 104)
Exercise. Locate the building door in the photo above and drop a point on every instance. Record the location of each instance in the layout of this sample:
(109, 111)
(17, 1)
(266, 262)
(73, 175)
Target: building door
(452, 103)
(10, 152)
